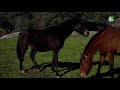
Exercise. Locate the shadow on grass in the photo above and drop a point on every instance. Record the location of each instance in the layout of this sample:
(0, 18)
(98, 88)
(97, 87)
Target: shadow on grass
(68, 66)
(106, 74)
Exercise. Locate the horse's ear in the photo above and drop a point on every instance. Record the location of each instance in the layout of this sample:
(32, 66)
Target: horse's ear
(78, 15)
(86, 56)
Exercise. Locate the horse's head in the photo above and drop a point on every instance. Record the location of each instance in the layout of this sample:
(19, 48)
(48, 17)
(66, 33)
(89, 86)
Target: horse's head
(77, 25)
(81, 29)
(85, 66)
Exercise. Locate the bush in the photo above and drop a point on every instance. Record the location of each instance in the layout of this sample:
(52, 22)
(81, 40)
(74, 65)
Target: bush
(23, 20)
(2, 32)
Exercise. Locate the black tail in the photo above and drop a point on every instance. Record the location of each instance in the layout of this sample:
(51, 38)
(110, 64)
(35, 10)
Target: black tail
(21, 46)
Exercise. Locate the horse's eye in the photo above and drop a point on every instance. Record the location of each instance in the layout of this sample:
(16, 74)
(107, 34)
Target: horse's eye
(81, 62)
(82, 57)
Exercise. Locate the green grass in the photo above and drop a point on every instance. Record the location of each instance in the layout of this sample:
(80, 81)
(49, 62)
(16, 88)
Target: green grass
(69, 56)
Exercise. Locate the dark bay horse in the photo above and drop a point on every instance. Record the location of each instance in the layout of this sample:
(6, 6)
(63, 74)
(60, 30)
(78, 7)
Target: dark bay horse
(107, 42)
(49, 39)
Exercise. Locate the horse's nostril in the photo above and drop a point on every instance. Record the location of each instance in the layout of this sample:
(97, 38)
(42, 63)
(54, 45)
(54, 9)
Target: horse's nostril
(88, 33)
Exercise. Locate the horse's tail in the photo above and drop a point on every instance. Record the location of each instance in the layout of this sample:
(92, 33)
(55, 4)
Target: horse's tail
(22, 45)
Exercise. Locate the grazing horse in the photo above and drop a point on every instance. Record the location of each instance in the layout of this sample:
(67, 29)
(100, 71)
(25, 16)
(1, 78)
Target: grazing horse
(49, 39)
(107, 42)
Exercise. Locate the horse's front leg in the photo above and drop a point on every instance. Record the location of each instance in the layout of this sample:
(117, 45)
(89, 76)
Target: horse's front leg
(55, 63)
(111, 63)
(99, 68)
(101, 61)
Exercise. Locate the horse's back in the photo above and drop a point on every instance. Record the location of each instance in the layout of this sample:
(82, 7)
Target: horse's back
(110, 39)
(106, 40)
(43, 40)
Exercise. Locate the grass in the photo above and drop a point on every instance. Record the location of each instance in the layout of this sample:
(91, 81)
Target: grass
(69, 57)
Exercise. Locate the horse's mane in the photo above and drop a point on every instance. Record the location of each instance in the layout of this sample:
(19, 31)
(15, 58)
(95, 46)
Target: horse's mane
(94, 26)
(98, 33)
(67, 23)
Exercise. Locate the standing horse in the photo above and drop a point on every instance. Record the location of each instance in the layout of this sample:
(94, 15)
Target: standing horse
(107, 42)
(49, 39)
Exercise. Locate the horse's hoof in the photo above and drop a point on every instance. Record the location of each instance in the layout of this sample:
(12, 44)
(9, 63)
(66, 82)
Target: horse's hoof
(38, 70)
(54, 73)
(22, 71)
(57, 76)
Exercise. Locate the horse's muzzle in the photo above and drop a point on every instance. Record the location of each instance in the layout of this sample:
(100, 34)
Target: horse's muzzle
(82, 75)
(86, 33)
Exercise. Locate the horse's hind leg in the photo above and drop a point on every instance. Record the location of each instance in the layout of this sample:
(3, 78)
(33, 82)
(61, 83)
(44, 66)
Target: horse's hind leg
(21, 61)
(32, 56)
(111, 63)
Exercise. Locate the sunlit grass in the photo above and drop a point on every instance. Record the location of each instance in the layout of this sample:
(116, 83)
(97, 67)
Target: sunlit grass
(69, 58)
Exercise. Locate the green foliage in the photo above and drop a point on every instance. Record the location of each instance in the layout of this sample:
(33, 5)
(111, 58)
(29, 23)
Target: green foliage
(2, 32)
(23, 20)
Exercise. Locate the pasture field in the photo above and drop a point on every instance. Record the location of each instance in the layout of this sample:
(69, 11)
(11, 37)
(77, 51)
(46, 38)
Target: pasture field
(69, 59)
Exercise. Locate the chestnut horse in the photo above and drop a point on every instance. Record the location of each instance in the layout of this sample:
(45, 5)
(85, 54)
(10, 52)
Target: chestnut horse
(107, 42)
(49, 39)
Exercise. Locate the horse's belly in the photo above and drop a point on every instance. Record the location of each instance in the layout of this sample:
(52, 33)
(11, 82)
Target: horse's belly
(46, 45)
(42, 48)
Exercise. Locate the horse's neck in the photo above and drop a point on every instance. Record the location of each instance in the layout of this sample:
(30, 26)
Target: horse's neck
(66, 31)
(90, 51)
